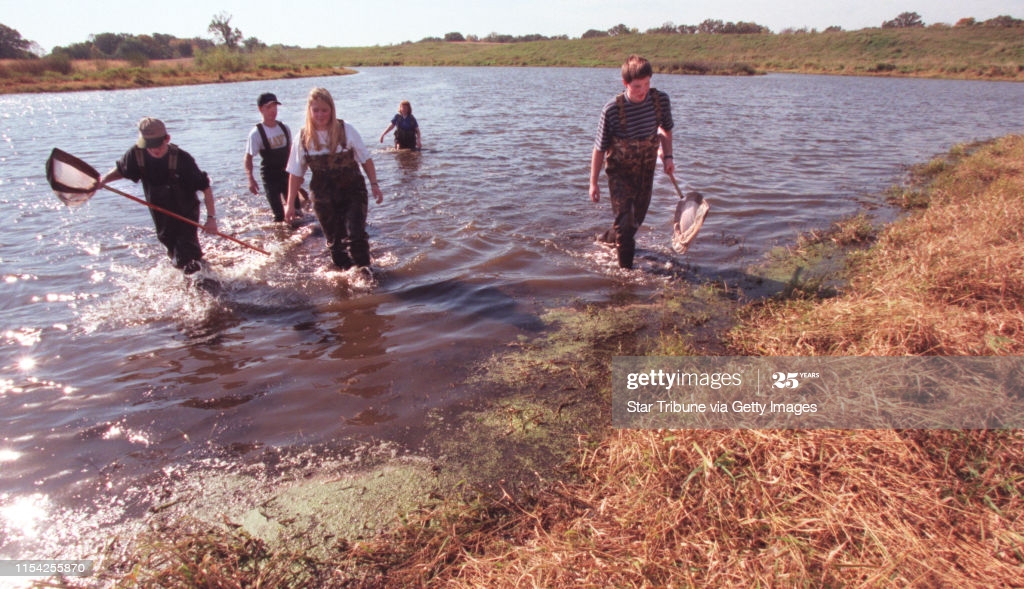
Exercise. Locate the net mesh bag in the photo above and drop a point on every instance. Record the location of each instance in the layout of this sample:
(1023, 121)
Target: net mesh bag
(687, 221)
(70, 178)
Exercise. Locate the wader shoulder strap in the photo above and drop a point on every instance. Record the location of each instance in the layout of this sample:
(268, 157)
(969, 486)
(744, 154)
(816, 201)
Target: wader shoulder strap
(172, 159)
(344, 139)
(620, 101)
(656, 98)
(266, 142)
(263, 136)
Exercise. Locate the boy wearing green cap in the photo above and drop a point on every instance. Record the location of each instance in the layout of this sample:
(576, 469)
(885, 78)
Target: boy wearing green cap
(170, 179)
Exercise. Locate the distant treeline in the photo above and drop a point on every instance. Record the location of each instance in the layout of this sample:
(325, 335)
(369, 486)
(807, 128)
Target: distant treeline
(132, 47)
(718, 27)
(145, 47)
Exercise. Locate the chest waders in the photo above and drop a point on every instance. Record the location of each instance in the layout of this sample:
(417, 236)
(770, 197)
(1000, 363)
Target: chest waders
(405, 136)
(338, 192)
(272, 171)
(180, 238)
(630, 165)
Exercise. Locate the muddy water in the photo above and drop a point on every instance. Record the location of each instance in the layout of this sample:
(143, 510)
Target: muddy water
(115, 368)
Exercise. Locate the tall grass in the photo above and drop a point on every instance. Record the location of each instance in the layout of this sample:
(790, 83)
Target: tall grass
(966, 53)
(947, 281)
(737, 509)
(58, 63)
(223, 60)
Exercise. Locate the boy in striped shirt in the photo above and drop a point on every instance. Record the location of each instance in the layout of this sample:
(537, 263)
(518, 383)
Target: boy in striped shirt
(633, 126)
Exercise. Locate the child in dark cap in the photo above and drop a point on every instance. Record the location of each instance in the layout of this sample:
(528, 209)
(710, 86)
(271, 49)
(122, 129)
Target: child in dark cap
(272, 141)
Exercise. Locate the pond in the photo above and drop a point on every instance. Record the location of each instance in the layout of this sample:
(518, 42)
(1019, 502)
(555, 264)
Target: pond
(114, 366)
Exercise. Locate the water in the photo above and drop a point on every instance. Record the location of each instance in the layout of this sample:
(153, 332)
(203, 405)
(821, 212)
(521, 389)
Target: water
(114, 366)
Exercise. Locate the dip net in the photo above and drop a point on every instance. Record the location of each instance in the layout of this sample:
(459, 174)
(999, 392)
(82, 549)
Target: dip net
(70, 178)
(688, 220)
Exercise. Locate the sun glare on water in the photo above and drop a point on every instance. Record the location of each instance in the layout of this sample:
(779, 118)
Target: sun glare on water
(22, 516)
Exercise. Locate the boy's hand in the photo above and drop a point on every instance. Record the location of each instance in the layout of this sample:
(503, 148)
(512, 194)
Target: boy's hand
(211, 225)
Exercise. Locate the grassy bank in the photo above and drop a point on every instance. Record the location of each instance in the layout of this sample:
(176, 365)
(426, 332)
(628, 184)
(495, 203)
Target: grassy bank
(967, 53)
(962, 53)
(793, 508)
(732, 508)
(63, 75)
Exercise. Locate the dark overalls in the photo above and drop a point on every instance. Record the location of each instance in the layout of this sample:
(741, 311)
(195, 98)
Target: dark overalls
(180, 238)
(340, 199)
(272, 171)
(630, 165)
(405, 131)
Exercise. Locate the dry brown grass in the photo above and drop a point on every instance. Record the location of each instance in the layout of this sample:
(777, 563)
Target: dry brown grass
(947, 281)
(25, 76)
(687, 509)
(739, 509)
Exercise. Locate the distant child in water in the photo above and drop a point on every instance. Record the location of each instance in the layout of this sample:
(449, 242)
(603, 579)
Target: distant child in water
(334, 151)
(407, 130)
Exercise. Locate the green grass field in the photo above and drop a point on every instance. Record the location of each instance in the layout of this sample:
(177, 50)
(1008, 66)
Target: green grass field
(976, 53)
(932, 52)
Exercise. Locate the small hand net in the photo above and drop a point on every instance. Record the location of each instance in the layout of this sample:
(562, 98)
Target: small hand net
(688, 220)
(70, 178)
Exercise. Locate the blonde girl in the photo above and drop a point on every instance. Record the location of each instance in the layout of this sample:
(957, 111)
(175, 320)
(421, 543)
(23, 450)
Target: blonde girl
(334, 151)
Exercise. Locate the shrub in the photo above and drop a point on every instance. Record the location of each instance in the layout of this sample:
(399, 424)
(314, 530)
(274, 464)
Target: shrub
(222, 60)
(58, 62)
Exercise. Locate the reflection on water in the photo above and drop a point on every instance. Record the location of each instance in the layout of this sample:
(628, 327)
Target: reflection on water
(115, 368)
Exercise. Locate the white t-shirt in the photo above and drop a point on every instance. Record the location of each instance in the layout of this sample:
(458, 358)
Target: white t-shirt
(297, 165)
(275, 135)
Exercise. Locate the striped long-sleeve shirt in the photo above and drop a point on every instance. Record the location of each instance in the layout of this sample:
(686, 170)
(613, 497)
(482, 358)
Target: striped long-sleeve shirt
(641, 120)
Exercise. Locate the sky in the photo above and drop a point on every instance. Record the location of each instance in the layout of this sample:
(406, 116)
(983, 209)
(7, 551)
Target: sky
(346, 23)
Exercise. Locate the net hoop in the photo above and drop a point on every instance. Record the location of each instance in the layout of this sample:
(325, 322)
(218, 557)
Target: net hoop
(687, 221)
(70, 178)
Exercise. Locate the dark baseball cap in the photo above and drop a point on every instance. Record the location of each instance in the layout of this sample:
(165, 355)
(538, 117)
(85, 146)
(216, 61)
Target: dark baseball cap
(267, 98)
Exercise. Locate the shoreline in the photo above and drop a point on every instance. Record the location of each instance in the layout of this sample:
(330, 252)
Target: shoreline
(765, 507)
(105, 75)
(140, 79)
(136, 78)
